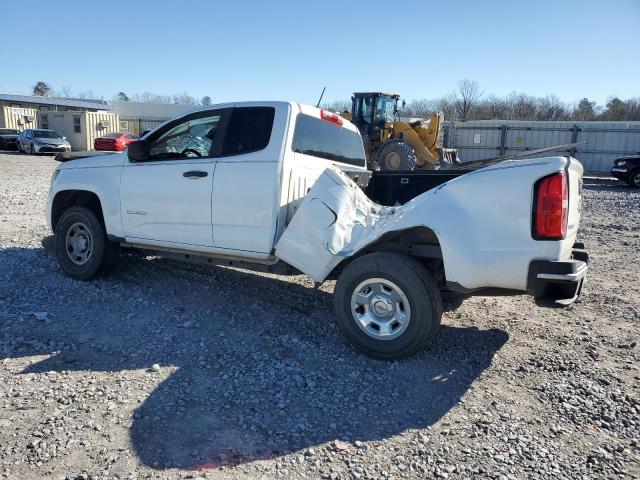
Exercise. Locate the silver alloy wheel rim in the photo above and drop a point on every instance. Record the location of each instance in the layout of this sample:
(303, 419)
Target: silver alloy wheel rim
(79, 243)
(380, 308)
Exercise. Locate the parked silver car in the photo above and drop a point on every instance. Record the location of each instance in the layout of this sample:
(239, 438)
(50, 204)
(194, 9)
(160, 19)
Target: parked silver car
(42, 141)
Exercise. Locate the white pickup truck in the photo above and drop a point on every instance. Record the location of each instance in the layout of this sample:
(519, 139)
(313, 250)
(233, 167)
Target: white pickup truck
(263, 185)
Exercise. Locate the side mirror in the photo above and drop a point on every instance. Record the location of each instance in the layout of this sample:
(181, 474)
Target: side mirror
(138, 151)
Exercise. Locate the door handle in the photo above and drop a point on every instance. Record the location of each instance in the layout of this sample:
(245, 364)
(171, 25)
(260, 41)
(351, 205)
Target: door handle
(195, 174)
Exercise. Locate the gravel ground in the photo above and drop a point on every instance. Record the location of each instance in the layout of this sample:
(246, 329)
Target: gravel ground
(168, 370)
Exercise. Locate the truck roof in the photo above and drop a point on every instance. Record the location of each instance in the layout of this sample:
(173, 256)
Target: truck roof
(295, 107)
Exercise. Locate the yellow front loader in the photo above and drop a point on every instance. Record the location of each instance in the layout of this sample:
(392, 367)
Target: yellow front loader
(394, 145)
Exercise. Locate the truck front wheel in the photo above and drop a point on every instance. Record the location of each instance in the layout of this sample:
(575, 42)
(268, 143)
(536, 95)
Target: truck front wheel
(82, 247)
(388, 305)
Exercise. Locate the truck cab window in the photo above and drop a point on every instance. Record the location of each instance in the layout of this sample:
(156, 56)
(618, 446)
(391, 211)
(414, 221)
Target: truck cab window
(249, 130)
(318, 138)
(192, 138)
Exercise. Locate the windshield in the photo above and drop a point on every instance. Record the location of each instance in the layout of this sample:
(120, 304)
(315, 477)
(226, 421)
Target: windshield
(46, 134)
(385, 109)
(8, 131)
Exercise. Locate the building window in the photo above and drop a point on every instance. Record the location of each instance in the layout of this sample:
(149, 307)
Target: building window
(76, 124)
(44, 120)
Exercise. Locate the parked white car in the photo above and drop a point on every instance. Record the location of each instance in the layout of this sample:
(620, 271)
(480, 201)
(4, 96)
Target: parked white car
(41, 140)
(263, 185)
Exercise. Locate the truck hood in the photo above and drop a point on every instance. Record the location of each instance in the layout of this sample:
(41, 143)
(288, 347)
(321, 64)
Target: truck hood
(93, 161)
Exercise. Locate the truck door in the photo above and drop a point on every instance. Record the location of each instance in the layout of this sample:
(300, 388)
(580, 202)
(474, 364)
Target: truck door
(166, 200)
(247, 182)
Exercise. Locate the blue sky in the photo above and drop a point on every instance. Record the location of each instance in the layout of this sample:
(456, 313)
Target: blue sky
(290, 49)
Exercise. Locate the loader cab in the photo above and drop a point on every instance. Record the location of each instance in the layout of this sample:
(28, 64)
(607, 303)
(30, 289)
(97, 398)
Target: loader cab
(370, 111)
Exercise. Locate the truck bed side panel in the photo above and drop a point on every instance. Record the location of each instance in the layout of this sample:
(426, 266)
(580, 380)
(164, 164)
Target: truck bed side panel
(482, 221)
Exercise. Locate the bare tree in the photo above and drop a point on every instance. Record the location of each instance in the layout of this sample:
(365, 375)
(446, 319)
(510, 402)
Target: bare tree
(64, 92)
(338, 106)
(147, 97)
(184, 99)
(550, 108)
(468, 95)
(490, 108)
(421, 108)
(633, 108)
(86, 95)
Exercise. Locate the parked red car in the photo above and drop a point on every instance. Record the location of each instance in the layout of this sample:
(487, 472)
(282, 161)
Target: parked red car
(116, 141)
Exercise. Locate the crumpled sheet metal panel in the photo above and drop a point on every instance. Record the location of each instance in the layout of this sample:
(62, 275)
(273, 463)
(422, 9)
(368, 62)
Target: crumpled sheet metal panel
(482, 221)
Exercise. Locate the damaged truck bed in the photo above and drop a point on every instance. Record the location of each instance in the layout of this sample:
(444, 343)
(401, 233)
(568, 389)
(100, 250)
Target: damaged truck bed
(263, 185)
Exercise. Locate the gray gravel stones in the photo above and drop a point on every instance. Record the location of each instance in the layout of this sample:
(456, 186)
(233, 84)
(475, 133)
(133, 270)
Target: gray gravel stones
(166, 370)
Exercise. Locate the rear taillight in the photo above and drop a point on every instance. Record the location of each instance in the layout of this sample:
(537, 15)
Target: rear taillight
(551, 209)
(331, 117)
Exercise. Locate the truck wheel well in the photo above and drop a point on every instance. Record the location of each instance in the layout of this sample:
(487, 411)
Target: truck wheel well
(69, 198)
(420, 243)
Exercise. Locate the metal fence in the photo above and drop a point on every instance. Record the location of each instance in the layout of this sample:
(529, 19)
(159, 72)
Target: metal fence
(602, 142)
(139, 124)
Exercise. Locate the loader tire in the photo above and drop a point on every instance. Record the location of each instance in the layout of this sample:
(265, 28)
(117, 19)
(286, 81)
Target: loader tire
(396, 156)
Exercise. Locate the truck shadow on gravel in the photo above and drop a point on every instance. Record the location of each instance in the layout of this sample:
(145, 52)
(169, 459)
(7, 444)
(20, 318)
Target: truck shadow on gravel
(261, 368)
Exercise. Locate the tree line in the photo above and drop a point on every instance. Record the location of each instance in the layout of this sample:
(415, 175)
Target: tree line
(43, 89)
(469, 102)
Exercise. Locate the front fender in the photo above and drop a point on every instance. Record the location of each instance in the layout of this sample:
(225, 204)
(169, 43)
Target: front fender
(104, 182)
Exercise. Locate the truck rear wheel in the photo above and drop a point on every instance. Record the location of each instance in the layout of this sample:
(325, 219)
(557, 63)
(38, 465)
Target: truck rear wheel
(388, 305)
(396, 156)
(82, 247)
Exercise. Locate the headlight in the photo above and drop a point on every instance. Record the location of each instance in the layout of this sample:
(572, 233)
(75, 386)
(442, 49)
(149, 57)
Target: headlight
(621, 162)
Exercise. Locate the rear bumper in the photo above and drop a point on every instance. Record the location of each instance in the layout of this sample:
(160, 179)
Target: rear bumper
(558, 283)
(107, 148)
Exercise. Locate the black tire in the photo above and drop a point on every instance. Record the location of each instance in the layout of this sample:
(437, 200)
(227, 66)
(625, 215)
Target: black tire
(415, 282)
(452, 301)
(396, 156)
(19, 147)
(634, 178)
(33, 149)
(103, 252)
